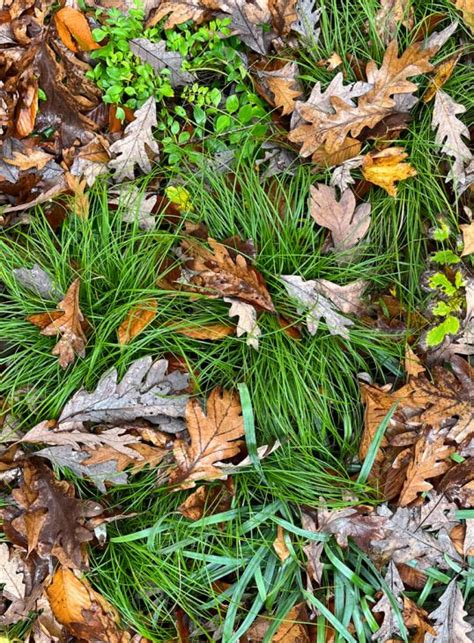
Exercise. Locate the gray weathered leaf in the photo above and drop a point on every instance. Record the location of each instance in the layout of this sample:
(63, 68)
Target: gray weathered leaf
(450, 131)
(438, 38)
(156, 55)
(308, 18)
(347, 298)
(278, 158)
(247, 323)
(14, 588)
(132, 149)
(38, 281)
(316, 306)
(348, 223)
(135, 206)
(247, 16)
(341, 176)
(449, 618)
(391, 624)
(145, 391)
(313, 551)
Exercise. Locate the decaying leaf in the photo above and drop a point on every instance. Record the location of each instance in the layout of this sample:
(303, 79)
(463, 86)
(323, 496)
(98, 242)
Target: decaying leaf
(206, 501)
(38, 281)
(207, 331)
(137, 320)
(214, 436)
(385, 167)
(284, 14)
(145, 391)
(138, 140)
(135, 206)
(467, 230)
(390, 625)
(280, 546)
(293, 628)
(284, 86)
(74, 30)
(466, 7)
(358, 523)
(321, 298)
(449, 617)
(220, 275)
(84, 613)
(179, 11)
(156, 54)
(390, 15)
(442, 75)
(348, 223)
(14, 589)
(247, 323)
(47, 519)
(68, 322)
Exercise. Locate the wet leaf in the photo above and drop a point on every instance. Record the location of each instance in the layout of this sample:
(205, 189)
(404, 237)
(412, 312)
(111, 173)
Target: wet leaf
(137, 320)
(214, 436)
(68, 322)
(386, 167)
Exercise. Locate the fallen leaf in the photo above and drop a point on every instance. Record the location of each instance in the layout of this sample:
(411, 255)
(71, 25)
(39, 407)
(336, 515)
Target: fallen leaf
(293, 628)
(179, 11)
(137, 320)
(84, 613)
(280, 546)
(262, 452)
(467, 230)
(390, 625)
(341, 176)
(308, 14)
(135, 206)
(47, 519)
(360, 524)
(390, 15)
(313, 551)
(284, 14)
(247, 323)
(69, 322)
(450, 132)
(206, 501)
(316, 305)
(205, 331)
(37, 281)
(36, 159)
(219, 275)
(442, 75)
(283, 84)
(132, 148)
(448, 618)
(14, 588)
(27, 107)
(146, 391)
(385, 167)
(80, 198)
(346, 152)
(74, 30)
(466, 7)
(156, 54)
(247, 16)
(414, 618)
(214, 436)
(91, 161)
(348, 224)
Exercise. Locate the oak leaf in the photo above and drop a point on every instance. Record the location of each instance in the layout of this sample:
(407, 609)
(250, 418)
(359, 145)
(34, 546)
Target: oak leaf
(135, 206)
(390, 624)
(449, 617)
(214, 436)
(36, 159)
(156, 55)
(247, 16)
(292, 629)
(283, 85)
(385, 167)
(84, 613)
(14, 588)
(220, 275)
(348, 224)
(47, 519)
(68, 322)
(390, 15)
(247, 323)
(132, 149)
(73, 28)
(442, 75)
(137, 320)
(179, 11)
(284, 14)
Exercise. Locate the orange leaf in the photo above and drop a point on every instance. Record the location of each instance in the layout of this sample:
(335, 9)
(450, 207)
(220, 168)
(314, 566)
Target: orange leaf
(442, 75)
(279, 545)
(74, 30)
(137, 319)
(208, 331)
(27, 109)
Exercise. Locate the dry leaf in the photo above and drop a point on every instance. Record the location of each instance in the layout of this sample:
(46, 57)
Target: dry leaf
(214, 436)
(385, 167)
(414, 618)
(14, 588)
(284, 15)
(80, 201)
(135, 205)
(390, 624)
(47, 519)
(156, 54)
(280, 546)
(68, 322)
(442, 75)
(206, 501)
(84, 613)
(413, 366)
(390, 15)
(466, 7)
(137, 319)
(73, 28)
(205, 331)
(220, 275)
(36, 159)
(313, 551)
(293, 628)
(348, 223)
(37, 281)
(448, 618)
(450, 132)
(179, 11)
(132, 149)
(247, 323)
(467, 230)
(284, 86)
(27, 108)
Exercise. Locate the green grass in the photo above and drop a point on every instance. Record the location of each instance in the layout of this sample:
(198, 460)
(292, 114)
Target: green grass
(303, 392)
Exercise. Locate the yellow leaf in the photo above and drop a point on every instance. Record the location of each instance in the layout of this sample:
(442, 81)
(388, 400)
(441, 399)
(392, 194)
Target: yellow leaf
(136, 320)
(279, 545)
(207, 331)
(180, 197)
(385, 167)
(467, 230)
(466, 7)
(74, 30)
(442, 75)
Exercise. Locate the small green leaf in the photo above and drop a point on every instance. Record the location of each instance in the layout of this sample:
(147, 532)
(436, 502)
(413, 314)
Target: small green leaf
(99, 34)
(438, 281)
(222, 123)
(232, 104)
(445, 257)
(120, 113)
(435, 336)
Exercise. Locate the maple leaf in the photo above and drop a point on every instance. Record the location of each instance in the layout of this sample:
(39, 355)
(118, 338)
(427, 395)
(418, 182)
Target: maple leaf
(46, 517)
(217, 271)
(137, 320)
(385, 167)
(69, 322)
(214, 436)
(347, 223)
(373, 105)
(450, 131)
(84, 613)
(145, 391)
(132, 148)
(247, 323)
(390, 625)
(284, 86)
(449, 617)
(314, 297)
(390, 15)
(156, 54)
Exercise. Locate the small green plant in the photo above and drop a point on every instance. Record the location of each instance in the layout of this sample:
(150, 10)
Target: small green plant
(446, 285)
